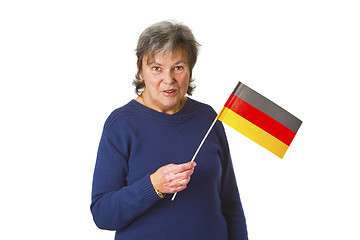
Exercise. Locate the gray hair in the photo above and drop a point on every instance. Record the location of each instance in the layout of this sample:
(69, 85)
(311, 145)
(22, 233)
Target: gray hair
(165, 37)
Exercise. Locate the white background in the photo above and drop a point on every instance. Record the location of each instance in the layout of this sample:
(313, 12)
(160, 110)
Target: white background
(65, 65)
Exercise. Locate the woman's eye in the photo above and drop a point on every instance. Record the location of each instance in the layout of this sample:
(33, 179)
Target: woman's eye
(157, 69)
(179, 68)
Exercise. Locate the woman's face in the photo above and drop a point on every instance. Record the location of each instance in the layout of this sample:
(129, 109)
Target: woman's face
(166, 78)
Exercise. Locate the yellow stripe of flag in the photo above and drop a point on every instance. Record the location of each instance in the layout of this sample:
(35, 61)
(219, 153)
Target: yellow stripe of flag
(253, 132)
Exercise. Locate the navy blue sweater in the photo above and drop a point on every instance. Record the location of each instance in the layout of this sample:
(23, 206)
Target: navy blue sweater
(136, 141)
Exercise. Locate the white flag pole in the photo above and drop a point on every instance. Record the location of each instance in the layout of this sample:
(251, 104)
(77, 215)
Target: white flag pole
(198, 149)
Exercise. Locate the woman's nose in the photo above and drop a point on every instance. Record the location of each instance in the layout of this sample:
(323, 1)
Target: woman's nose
(168, 77)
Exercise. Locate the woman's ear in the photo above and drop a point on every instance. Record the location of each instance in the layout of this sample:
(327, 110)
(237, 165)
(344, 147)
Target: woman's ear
(139, 72)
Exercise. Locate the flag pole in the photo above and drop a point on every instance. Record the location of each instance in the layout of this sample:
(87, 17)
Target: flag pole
(198, 149)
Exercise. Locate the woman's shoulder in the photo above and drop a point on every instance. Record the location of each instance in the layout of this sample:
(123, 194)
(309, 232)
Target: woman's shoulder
(121, 114)
(197, 106)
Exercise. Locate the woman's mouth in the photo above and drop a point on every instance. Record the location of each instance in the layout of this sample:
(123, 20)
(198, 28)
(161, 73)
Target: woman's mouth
(170, 91)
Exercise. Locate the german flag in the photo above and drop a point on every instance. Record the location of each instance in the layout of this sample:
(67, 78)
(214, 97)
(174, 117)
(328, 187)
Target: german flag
(260, 119)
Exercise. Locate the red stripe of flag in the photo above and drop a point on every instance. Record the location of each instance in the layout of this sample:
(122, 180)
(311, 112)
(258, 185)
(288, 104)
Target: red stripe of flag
(260, 119)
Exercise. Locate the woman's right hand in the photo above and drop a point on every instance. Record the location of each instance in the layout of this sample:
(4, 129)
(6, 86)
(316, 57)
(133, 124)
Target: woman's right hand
(172, 178)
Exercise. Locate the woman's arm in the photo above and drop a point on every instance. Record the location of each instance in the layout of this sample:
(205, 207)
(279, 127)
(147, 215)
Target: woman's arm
(230, 199)
(231, 205)
(114, 203)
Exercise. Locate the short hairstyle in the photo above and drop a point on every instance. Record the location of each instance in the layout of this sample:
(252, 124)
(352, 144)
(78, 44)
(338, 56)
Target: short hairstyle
(164, 37)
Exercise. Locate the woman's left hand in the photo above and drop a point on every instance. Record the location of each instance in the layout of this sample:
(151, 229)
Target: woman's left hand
(172, 178)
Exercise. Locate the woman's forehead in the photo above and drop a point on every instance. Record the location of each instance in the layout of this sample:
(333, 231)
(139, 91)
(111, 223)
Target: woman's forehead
(177, 55)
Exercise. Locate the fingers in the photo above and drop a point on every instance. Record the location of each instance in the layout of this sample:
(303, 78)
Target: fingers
(184, 167)
(172, 178)
(178, 185)
(181, 177)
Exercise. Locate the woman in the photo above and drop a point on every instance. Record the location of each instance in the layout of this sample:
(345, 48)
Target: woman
(146, 145)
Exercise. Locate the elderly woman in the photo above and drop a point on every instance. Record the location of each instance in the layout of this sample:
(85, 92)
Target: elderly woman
(146, 145)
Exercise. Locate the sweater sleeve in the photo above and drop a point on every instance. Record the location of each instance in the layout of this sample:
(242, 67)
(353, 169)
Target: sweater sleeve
(115, 204)
(230, 199)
